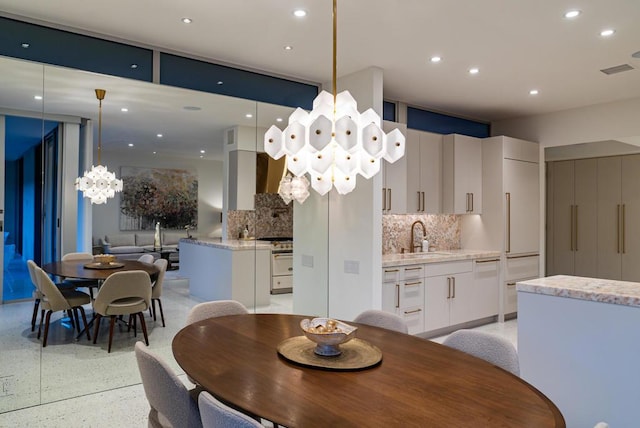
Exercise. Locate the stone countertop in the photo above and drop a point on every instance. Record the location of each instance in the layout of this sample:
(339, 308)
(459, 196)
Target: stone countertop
(436, 257)
(592, 289)
(229, 244)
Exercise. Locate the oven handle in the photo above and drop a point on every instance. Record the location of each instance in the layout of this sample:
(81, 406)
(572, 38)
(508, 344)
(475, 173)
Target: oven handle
(288, 255)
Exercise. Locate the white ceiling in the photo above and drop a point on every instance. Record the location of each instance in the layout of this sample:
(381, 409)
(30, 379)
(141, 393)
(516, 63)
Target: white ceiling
(517, 45)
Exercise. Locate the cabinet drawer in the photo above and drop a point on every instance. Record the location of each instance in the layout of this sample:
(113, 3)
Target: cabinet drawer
(414, 317)
(413, 271)
(411, 293)
(519, 267)
(398, 273)
(450, 268)
(392, 274)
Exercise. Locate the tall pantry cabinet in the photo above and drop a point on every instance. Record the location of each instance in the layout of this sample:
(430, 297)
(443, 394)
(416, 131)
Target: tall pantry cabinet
(592, 211)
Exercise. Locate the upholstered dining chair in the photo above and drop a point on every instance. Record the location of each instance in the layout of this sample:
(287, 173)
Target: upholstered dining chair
(90, 284)
(123, 293)
(215, 414)
(53, 300)
(156, 289)
(490, 347)
(172, 404)
(383, 319)
(37, 295)
(146, 258)
(216, 308)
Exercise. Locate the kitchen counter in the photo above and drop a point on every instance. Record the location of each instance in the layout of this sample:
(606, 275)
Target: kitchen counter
(578, 342)
(230, 244)
(592, 289)
(436, 257)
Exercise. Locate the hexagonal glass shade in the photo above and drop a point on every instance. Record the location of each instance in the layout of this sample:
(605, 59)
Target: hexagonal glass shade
(395, 146)
(273, 142)
(320, 132)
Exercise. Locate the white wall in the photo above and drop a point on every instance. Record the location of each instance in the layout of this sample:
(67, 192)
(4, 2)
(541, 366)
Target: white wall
(106, 217)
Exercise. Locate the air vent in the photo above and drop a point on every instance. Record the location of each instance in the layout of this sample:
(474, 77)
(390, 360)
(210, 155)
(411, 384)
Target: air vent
(617, 69)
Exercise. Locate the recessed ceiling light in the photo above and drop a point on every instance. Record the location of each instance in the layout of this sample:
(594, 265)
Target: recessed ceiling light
(155, 153)
(134, 66)
(124, 109)
(159, 135)
(202, 151)
(572, 13)
(278, 119)
(248, 115)
(474, 70)
(288, 48)
(436, 59)
(25, 45)
(192, 108)
(299, 13)
(130, 144)
(533, 92)
(607, 33)
(187, 20)
(37, 97)
(220, 82)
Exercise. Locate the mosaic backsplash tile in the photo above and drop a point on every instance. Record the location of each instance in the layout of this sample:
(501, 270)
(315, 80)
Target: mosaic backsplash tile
(443, 231)
(272, 217)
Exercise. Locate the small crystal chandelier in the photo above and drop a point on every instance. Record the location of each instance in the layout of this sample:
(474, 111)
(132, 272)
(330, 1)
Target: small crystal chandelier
(99, 184)
(334, 142)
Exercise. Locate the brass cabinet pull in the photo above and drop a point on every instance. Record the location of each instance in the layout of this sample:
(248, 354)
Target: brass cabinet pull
(508, 197)
(471, 210)
(487, 261)
(389, 192)
(384, 199)
(414, 268)
(397, 296)
(448, 287)
(467, 207)
(454, 287)
(624, 246)
(618, 229)
(418, 201)
(511, 284)
(575, 225)
(522, 257)
(571, 229)
(412, 312)
(423, 208)
(412, 284)
(391, 270)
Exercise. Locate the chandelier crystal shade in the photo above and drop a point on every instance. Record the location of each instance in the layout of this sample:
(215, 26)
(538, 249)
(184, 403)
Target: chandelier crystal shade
(334, 142)
(98, 184)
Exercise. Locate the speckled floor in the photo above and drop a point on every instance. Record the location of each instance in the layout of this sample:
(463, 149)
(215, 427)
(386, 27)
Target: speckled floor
(77, 384)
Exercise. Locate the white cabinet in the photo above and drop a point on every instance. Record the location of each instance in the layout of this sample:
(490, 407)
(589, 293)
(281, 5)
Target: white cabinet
(424, 162)
(448, 292)
(403, 294)
(394, 177)
(461, 174)
(517, 268)
(486, 287)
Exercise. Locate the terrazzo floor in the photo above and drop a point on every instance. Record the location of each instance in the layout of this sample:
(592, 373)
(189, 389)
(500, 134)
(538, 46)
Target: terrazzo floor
(77, 384)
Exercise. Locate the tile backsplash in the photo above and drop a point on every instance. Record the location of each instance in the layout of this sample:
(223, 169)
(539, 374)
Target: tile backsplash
(443, 231)
(272, 217)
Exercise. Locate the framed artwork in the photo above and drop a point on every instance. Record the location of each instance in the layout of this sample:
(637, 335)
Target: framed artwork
(151, 195)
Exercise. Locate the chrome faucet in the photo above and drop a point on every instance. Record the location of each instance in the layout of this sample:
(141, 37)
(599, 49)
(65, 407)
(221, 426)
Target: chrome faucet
(412, 247)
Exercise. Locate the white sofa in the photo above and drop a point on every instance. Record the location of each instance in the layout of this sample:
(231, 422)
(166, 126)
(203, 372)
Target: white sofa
(130, 246)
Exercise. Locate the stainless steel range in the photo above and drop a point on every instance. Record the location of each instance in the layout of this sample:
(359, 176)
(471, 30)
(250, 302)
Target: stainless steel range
(281, 264)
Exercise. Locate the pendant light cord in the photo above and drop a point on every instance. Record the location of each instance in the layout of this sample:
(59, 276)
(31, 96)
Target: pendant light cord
(100, 93)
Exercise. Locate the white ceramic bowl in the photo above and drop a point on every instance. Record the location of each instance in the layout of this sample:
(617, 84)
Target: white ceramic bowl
(328, 341)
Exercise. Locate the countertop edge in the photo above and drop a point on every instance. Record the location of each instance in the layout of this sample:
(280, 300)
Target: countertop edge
(232, 244)
(436, 257)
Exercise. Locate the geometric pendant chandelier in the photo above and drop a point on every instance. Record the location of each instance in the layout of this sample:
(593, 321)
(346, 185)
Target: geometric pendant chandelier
(333, 143)
(99, 184)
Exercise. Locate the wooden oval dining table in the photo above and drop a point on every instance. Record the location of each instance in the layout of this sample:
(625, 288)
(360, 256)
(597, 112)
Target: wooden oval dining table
(418, 382)
(77, 269)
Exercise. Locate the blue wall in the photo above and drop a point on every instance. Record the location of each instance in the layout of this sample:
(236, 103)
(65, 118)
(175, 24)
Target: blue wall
(443, 124)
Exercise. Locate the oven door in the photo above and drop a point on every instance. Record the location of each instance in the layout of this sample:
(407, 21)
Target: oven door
(282, 272)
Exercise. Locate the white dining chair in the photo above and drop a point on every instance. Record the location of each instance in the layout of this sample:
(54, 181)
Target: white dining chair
(146, 258)
(383, 319)
(216, 414)
(89, 284)
(216, 308)
(156, 289)
(490, 347)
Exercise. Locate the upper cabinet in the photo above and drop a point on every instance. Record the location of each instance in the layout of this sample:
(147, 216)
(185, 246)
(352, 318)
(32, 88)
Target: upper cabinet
(461, 174)
(394, 177)
(424, 157)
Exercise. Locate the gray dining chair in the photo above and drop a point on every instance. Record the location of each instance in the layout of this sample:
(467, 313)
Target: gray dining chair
(37, 294)
(216, 308)
(89, 284)
(52, 300)
(383, 319)
(490, 347)
(215, 414)
(146, 258)
(123, 293)
(156, 289)
(172, 404)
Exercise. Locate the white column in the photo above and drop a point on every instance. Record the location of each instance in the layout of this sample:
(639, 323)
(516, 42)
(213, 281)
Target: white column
(70, 158)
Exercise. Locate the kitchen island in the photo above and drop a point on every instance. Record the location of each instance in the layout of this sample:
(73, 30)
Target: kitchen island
(227, 270)
(578, 342)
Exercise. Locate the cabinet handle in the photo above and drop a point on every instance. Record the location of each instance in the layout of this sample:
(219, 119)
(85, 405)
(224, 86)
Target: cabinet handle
(391, 270)
(487, 261)
(454, 287)
(412, 284)
(471, 210)
(384, 199)
(418, 206)
(414, 268)
(397, 296)
(508, 198)
(575, 225)
(624, 220)
(448, 287)
(423, 209)
(412, 312)
(618, 229)
(466, 209)
(389, 192)
(571, 229)
(511, 284)
(522, 257)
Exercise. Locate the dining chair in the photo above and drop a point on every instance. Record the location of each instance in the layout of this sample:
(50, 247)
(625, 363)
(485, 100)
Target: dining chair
(172, 404)
(90, 284)
(53, 300)
(123, 293)
(383, 319)
(156, 289)
(146, 258)
(490, 347)
(216, 308)
(216, 414)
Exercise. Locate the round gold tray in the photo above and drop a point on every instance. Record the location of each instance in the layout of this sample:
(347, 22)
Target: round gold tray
(356, 354)
(96, 265)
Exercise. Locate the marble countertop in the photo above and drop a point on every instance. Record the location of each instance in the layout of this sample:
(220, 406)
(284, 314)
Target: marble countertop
(593, 289)
(230, 244)
(436, 257)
